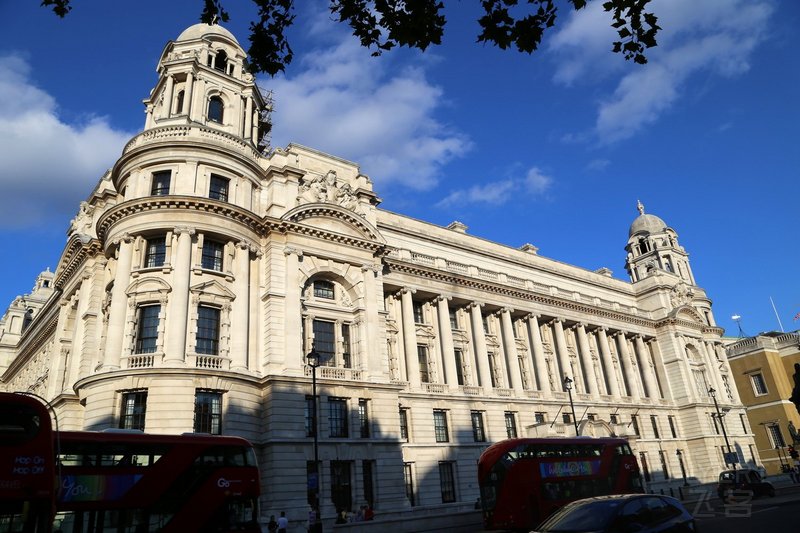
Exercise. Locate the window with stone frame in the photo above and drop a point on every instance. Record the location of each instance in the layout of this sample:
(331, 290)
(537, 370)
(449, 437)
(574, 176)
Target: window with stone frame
(775, 436)
(147, 323)
(330, 323)
(408, 482)
(424, 373)
(155, 252)
(539, 417)
(134, 409)
(208, 330)
(208, 412)
(511, 424)
(213, 255)
(324, 289)
(440, 425)
(459, 356)
(447, 481)
(337, 418)
(453, 318)
(478, 431)
(342, 485)
(216, 109)
(672, 428)
(419, 312)
(759, 384)
(218, 188)
(654, 423)
(363, 418)
(161, 182)
(404, 424)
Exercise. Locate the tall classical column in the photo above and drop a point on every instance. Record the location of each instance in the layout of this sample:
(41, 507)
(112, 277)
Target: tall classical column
(410, 337)
(510, 348)
(710, 357)
(371, 353)
(80, 351)
(446, 334)
(719, 350)
(248, 118)
(187, 97)
(481, 356)
(646, 367)
(561, 351)
(658, 366)
(293, 340)
(168, 90)
(608, 363)
(543, 380)
(254, 128)
(586, 361)
(119, 303)
(175, 350)
(627, 365)
(240, 314)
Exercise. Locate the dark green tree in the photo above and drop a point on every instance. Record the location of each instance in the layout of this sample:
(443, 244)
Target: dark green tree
(380, 25)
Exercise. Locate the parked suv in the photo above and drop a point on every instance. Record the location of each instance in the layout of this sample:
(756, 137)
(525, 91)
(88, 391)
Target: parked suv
(745, 479)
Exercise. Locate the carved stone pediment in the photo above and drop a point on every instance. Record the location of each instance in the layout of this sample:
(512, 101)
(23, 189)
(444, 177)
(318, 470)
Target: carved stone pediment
(681, 294)
(329, 189)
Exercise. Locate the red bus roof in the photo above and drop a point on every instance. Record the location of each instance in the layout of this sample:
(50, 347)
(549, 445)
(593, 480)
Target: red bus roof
(499, 448)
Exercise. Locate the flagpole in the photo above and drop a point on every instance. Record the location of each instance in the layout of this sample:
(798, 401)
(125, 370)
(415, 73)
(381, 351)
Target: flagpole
(776, 314)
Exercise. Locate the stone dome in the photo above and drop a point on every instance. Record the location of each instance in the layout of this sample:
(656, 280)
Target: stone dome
(646, 223)
(198, 31)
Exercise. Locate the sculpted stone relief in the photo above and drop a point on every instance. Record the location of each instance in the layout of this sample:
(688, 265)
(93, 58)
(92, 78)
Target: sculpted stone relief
(681, 295)
(328, 189)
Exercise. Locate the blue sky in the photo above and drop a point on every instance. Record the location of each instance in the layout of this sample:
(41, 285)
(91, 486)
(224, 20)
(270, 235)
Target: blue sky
(553, 149)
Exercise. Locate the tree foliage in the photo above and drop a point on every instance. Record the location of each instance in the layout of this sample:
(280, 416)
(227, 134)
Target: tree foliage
(380, 25)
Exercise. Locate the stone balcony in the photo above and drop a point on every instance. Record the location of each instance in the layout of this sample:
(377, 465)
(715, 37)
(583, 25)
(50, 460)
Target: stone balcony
(173, 135)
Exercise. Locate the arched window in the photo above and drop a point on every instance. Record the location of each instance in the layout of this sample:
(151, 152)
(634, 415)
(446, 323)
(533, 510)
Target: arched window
(221, 61)
(215, 107)
(644, 246)
(179, 103)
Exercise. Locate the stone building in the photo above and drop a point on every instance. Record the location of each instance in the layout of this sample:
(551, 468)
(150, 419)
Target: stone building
(763, 367)
(202, 269)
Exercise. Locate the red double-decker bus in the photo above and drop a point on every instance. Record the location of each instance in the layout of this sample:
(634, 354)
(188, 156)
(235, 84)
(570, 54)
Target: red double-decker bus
(522, 481)
(132, 481)
(27, 479)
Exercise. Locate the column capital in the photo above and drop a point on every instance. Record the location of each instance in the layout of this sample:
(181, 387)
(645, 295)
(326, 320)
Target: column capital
(507, 310)
(291, 250)
(557, 321)
(532, 316)
(180, 230)
(475, 304)
(373, 267)
(442, 298)
(595, 329)
(406, 290)
(126, 238)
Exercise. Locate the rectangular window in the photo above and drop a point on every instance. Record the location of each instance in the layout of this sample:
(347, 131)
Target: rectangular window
(208, 412)
(538, 417)
(591, 416)
(613, 418)
(654, 423)
(218, 189)
(453, 319)
(478, 433)
(337, 417)
(419, 315)
(363, 418)
(341, 489)
(671, 420)
(663, 460)
(155, 253)
(346, 358)
(325, 341)
(408, 481)
(422, 354)
(368, 481)
(742, 420)
(485, 324)
(323, 289)
(440, 425)
(207, 330)
(147, 329)
(566, 418)
(213, 252)
(447, 482)
(404, 424)
(134, 408)
(459, 356)
(775, 436)
(160, 185)
(759, 385)
(309, 416)
(635, 424)
(511, 425)
(645, 468)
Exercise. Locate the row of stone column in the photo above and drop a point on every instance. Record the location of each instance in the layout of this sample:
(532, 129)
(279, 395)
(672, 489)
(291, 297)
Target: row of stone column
(624, 366)
(178, 302)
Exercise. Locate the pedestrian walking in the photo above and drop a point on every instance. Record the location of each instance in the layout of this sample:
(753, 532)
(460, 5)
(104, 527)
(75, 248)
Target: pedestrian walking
(272, 525)
(283, 523)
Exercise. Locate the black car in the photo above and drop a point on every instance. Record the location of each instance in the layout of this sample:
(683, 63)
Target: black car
(745, 482)
(628, 513)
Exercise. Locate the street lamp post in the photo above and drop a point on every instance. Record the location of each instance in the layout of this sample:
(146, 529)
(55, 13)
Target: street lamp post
(778, 450)
(568, 386)
(712, 392)
(683, 468)
(313, 361)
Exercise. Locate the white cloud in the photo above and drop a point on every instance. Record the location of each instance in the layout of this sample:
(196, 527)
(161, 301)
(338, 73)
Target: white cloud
(533, 183)
(712, 36)
(48, 165)
(342, 101)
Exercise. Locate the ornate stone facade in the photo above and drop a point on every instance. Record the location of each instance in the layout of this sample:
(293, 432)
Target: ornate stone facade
(204, 264)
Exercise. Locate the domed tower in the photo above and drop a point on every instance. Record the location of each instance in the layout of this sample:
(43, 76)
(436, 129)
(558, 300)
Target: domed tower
(652, 246)
(203, 79)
